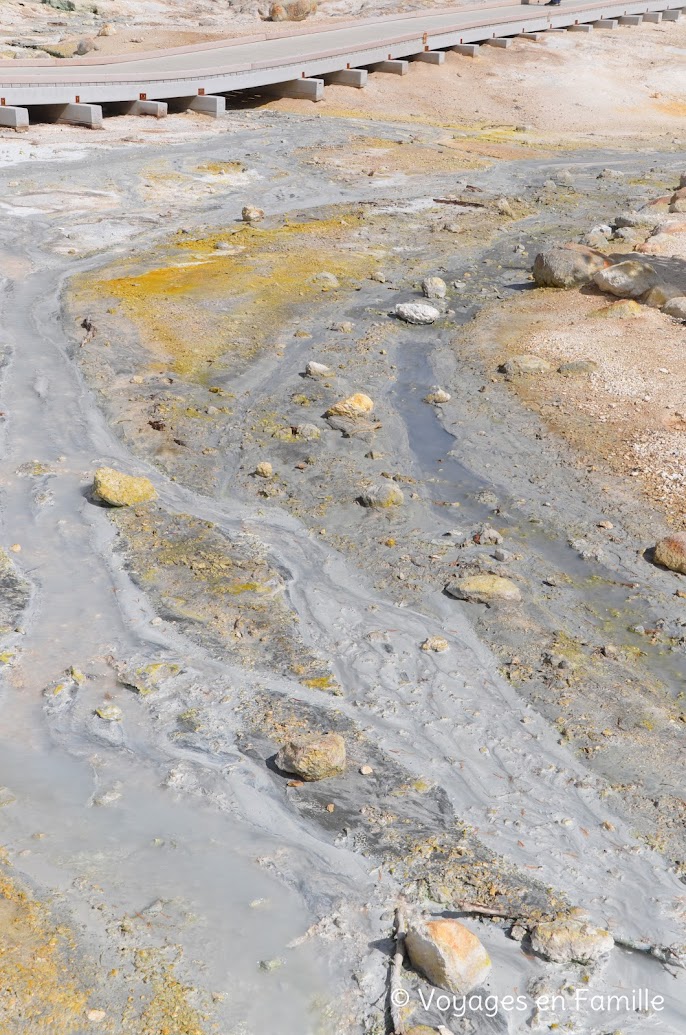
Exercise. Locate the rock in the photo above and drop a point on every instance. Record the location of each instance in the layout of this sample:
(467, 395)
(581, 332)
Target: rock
(297, 11)
(252, 214)
(629, 279)
(107, 30)
(483, 589)
(315, 757)
(381, 496)
(264, 469)
(659, 296)
(318, 370)
(121, 490)
(416, 312)
(344, 327)
(379, 276)
(624, 310)
(434, 287)
(676, 307)
(566, 266)
(671, 552)
(436, 644)
(682, 180)
(307, 432)
(577, 366)
(521, 365)
(109, 713)
(487, 535)
(644, 218)
(324, 280)
(354, 406)
(448, 954)
(570, 941)
(84, 47)
(366, 770)
(437, 396)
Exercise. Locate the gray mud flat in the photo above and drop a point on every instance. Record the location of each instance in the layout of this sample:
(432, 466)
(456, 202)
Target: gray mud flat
(156, 657)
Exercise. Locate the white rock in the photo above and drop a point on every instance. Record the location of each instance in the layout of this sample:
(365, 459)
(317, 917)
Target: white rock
(629, 279)
(314, 369)
(416, 312)
(571, 940)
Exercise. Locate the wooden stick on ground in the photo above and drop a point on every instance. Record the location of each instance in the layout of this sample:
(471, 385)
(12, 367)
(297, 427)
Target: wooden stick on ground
(396, 986)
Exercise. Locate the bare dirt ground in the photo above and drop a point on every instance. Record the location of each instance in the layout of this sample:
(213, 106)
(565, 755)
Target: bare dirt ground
(568, 88)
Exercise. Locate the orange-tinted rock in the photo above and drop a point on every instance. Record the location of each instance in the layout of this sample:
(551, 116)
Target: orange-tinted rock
(448, 954)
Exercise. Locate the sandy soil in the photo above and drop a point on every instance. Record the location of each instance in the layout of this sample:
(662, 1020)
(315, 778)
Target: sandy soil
(566, 88)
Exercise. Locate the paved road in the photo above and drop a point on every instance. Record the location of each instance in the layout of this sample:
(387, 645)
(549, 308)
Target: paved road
(225, 66)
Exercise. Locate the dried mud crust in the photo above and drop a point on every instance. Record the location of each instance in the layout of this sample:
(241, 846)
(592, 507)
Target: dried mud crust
(221, 591)
(401, 823)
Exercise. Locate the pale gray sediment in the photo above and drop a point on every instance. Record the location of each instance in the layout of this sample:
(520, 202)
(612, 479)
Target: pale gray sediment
(178, 800)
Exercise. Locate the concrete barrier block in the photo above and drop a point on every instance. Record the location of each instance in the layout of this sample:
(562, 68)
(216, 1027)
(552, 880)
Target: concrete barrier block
(535, 37)
(15, 118)
(631, 19)
(158, 109)
(431, 57)
(391, 67)
(308, 89)
(212, 106)
(671, 16)
(499, 41)
(653, 16)
(605, 23)
(78, 114)
(466, 49)
(356, 77)
(579, 28)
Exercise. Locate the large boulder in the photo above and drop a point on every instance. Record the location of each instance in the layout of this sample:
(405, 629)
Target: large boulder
(629, 279)
(671, 552)
(676, 307)
(356, 405)
(315, 757)
(121, 490)
(483, 589)
(448, 954)
(567, 265)
(297, 11)
(416, 312)
(569, 940)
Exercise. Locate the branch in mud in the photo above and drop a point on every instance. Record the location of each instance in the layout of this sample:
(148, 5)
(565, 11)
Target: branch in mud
(664, 954)
(396, 971)
(458, 201)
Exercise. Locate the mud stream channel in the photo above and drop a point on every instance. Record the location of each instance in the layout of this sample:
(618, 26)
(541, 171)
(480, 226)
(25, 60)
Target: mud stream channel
(160, 875)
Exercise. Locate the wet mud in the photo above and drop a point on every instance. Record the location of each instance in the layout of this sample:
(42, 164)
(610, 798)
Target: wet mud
(156, 657)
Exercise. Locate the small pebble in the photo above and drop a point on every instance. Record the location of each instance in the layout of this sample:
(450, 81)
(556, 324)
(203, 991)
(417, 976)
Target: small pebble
(366, 770)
